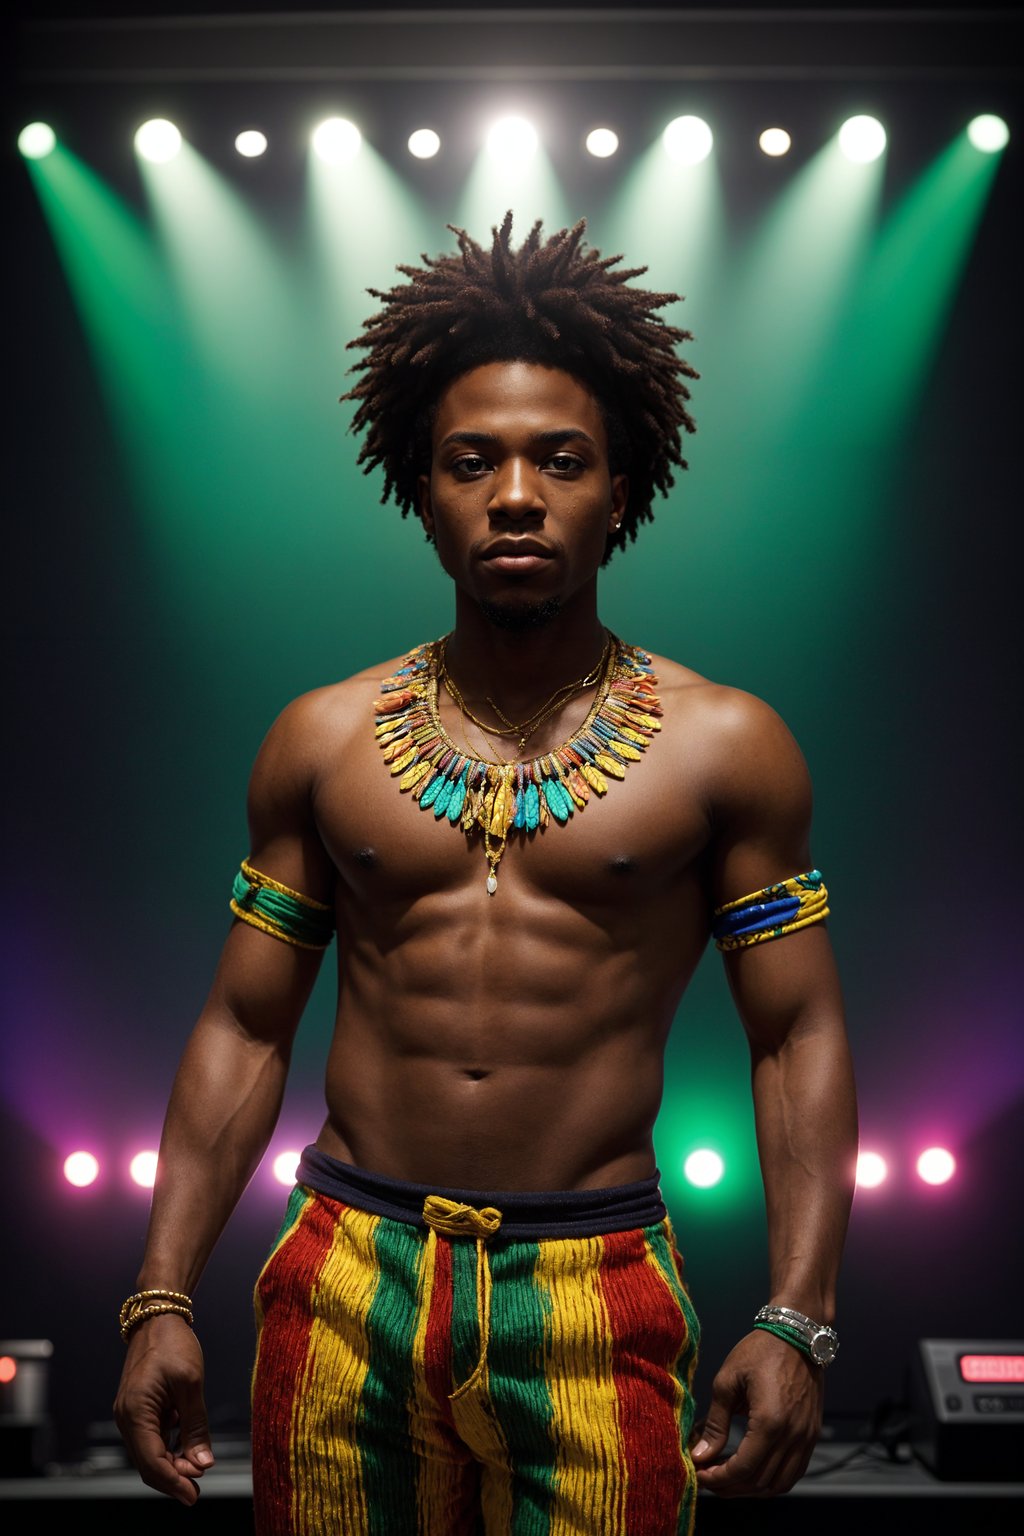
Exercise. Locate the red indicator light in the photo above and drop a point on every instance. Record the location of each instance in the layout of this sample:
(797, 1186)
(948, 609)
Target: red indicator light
(992, 1368)
(8, 1369)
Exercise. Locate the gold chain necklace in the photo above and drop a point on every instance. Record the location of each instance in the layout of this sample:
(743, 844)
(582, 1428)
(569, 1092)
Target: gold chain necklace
(531, 725)
(497, 798)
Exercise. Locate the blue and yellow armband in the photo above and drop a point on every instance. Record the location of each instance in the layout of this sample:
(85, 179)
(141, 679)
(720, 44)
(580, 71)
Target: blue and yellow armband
(278, 910)
(772, 912)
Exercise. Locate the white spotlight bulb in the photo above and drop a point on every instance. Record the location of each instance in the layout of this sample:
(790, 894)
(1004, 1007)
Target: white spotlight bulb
(512, 138)
(688, 140)
(862, 139)
(251, 143)
(872, 1170)
(36, 141)
(143, 1169)
(775, 141)
(424, 143)
(988, 133)
(602, 142)
(704, 1168)
(81, 1169)
(158, 141)
(336, 140)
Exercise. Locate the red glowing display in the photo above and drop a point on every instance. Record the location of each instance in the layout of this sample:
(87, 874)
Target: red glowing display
(992, 1368)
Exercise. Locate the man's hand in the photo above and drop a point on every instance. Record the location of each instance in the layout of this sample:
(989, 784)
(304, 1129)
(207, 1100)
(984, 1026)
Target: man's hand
(781, 1393)
(160, 1404)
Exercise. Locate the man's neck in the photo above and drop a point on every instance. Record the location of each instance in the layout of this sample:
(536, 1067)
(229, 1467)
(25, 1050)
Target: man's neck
(518, 667)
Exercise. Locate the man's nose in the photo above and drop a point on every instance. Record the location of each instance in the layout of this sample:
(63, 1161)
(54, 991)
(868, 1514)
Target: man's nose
(518, 491)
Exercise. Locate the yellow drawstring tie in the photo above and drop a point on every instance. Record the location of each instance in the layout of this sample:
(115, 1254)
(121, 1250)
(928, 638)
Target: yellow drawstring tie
(452, 1219)
(456, 1220)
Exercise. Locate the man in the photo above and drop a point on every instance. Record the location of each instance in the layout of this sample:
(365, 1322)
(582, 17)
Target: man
(524, 833)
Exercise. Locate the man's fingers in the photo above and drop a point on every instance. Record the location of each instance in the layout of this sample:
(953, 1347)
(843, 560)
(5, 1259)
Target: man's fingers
(744, 1471)
(715, 1432)
(159, 1468)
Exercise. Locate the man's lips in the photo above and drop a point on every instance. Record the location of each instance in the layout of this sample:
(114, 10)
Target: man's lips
(521, 555)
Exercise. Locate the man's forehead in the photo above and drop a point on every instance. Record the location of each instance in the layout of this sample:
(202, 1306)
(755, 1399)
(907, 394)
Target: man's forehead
(530, 396)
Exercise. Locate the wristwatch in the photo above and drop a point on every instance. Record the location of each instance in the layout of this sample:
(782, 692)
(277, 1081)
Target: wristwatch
(822, 1341)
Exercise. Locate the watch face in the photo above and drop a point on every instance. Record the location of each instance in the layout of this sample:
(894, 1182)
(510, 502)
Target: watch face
(823, 1348)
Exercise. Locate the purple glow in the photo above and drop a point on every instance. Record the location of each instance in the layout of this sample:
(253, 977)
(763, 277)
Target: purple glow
(872, 1170)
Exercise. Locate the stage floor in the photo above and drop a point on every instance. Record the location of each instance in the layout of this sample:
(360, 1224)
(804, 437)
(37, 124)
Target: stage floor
(847, 1488)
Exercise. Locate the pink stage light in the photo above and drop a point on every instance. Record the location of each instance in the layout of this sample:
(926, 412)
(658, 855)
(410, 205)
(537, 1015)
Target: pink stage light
(143, 1169)
(81, 1169)
(936, 1165)
(285, 1165)
(872, 1170)
(8, 1369)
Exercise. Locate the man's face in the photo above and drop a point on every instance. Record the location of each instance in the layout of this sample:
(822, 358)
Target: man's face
(520, 500)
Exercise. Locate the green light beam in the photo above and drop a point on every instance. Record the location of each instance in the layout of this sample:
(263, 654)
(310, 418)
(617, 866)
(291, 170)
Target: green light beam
(125, 301)
(529, 187)
(895, 323)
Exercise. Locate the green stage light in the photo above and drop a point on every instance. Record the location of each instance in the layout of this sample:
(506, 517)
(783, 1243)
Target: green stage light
(988, 133)
(158, 141)
(862, 139)
(251, 143)
(775, 142)
(36, 141)
(602, 142)
(424, 143)
(336, 141)
(688, 140)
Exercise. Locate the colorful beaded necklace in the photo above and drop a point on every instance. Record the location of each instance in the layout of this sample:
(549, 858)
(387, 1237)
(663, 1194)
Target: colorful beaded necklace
(499, 797)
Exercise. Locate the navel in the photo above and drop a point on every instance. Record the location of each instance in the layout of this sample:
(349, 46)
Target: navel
(367, 857)
(622, 864)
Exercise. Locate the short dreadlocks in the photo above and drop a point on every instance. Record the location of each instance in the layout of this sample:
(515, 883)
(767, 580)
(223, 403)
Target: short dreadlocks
(556, 302)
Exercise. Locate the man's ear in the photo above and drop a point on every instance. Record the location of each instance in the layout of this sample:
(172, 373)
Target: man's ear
(620, 498)
(424, 506)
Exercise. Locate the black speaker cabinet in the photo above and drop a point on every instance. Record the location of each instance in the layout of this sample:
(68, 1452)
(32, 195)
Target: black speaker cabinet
(966, 1400)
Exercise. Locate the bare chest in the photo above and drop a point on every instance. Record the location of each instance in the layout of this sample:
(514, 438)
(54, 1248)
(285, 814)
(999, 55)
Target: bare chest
(643, 834)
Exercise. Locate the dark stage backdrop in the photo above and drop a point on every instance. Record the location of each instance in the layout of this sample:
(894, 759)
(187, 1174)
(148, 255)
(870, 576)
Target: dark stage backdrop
(190, 544)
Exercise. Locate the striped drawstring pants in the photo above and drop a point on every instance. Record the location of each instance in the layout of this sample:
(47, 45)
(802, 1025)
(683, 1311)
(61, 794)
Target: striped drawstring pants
(446, 1362)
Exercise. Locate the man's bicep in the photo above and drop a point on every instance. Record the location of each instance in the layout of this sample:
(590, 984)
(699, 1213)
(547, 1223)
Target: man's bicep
(762, 811)
(284, 840)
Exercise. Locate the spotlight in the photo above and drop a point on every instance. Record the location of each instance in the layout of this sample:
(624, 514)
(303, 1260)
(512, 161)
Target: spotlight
(143, 1169)
(81, 1169)
(862, 139)
(988, 133)
(336, 140)
(872, 1170)
(36, 141)
(251, 143)
(703, 1168)
(936, 1166)
(688, 140)
(424, 143)
(602, 142)
(158, 141)
(775, 142)
(285, 1166)
(512, 139)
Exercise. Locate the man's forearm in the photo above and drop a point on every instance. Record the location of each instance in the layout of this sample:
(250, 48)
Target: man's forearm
(223, 1108)
(805, 1108)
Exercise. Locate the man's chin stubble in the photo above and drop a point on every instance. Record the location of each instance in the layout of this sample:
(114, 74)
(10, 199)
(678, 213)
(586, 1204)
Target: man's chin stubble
(519, 615)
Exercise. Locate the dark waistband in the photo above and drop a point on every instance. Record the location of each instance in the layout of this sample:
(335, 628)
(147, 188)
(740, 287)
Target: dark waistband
(528, 1215)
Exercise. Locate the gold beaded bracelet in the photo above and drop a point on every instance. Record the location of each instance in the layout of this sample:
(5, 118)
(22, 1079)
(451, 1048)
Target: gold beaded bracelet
(152, 1304)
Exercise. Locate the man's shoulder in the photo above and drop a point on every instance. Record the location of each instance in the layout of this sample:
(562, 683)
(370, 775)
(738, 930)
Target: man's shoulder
(331, 711)
(737, 730)
(734, 710)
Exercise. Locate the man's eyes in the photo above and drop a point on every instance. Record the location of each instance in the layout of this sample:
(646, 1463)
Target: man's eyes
(472, 464)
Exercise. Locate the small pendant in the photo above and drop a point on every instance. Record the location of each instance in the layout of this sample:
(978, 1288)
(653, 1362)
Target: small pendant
(492, 883)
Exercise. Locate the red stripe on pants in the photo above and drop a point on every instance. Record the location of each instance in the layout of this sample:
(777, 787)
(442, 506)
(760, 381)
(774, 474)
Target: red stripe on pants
(648, 1333)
